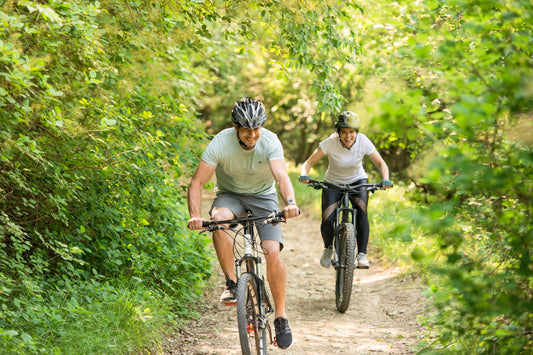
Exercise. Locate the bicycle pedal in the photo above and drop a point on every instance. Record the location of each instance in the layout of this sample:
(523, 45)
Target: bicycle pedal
(230, 303)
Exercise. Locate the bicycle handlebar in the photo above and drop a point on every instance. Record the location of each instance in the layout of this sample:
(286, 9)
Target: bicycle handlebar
(318, 184)
(273, 218)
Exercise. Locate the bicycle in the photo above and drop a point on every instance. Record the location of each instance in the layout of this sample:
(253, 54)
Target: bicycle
(253, 303)
(344, 238)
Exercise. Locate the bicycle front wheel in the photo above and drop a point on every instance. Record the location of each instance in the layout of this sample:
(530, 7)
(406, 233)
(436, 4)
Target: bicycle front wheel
(251, 321)
(346, 252)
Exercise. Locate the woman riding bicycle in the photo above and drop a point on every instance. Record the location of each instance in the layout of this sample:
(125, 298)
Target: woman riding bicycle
(346, 149)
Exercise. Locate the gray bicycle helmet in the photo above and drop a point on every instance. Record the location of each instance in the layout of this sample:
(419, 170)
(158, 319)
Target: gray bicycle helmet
(347, 119)
(249, 113)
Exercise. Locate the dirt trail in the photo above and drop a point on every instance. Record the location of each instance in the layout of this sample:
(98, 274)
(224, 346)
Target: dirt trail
(381, 318)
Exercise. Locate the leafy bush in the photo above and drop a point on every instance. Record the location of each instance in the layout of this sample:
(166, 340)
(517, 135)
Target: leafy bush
(92, 209)
(478, 202)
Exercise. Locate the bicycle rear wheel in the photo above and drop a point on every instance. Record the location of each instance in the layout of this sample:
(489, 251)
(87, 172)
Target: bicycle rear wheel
(346, 251)
(252, 329)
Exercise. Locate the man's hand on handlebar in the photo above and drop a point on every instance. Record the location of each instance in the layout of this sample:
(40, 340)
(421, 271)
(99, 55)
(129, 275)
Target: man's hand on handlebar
(195, 223)
(291, 210)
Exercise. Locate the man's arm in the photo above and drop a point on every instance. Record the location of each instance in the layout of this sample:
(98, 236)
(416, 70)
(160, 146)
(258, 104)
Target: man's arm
(286, 190)
(203, 174)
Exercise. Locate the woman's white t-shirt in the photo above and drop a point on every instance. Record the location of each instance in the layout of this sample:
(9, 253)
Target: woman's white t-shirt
(346, 165)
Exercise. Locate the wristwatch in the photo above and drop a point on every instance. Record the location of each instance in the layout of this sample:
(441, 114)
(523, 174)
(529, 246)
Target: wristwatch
(291, 202)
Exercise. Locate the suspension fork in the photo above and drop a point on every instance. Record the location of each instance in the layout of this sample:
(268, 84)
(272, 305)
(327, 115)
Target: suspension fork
(344, 211)
(342, 215)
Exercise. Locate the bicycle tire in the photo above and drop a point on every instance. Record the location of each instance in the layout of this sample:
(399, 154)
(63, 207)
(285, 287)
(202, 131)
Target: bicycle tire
(253, 337)
(347, 251)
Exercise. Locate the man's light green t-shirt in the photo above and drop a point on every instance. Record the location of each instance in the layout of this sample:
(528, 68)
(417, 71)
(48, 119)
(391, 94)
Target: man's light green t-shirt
(243, 171)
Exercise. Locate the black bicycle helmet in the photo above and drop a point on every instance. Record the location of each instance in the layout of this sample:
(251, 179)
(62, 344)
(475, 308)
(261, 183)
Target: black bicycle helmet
(249, 113)
(347, 119)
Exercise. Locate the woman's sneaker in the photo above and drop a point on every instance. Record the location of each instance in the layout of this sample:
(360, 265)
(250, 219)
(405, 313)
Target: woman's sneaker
(229, 296)
(325, 260)
(362, 262)
(283, 332)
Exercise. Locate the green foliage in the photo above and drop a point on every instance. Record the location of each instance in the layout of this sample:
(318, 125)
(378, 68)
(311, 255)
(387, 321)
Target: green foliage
(289, 57)
(91, 162)
(474, 65)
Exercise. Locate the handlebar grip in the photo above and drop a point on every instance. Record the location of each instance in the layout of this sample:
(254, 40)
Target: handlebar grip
(281, 214)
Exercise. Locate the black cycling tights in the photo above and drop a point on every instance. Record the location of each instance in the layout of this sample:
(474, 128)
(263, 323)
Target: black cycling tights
(330, 201)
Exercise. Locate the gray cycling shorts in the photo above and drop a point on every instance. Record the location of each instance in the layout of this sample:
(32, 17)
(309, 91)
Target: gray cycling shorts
(260, 205)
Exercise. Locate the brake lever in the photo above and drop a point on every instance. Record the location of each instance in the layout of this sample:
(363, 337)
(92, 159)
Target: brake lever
(274, 221)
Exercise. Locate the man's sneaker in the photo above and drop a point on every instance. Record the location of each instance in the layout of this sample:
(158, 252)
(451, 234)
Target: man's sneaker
(325, 260)
(283, 332)
(362, 262)
(229, 295)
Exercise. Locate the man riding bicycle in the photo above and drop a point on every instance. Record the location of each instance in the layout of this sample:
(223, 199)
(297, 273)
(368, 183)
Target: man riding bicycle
(248, 163)
(346, 149)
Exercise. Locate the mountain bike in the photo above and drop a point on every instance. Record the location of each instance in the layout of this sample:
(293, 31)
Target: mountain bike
(344, 238)
(253, 303)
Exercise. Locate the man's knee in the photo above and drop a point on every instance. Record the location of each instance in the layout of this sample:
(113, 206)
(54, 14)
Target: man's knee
(272, 249)
(221, 213)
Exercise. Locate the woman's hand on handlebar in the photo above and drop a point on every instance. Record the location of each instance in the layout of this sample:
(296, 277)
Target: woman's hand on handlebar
(195, 223)
(386, 183)
(304, 179)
